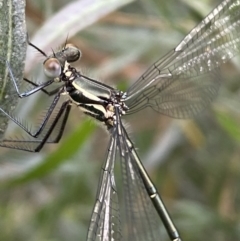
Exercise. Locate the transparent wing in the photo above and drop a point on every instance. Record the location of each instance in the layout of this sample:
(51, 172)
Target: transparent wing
(140, 219)
(105, 219)
(184, 81)
(135, 219)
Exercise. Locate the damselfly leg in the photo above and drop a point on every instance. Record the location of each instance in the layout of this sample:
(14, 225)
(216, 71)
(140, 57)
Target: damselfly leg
(39, 141)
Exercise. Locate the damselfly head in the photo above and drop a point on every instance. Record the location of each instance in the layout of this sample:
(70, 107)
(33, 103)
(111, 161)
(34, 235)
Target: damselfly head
(72, 53)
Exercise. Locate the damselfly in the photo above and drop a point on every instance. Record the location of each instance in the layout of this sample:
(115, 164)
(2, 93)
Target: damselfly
(180, 85)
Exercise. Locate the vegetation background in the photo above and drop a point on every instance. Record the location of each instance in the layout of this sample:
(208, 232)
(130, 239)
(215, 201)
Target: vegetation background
(194, 163)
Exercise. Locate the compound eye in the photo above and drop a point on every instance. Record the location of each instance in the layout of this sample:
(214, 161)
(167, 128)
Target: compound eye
(52, 68)
(72, 53)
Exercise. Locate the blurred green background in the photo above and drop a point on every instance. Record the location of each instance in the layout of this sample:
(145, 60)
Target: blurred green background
(48, 196)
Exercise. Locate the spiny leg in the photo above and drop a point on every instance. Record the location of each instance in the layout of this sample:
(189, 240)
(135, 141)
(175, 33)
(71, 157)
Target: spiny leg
(35, 47)
(25, 94)
(30, 92)
(50, 110)
(16, 144)
(42, 125)
(49, 93)
(65, 106)
(37, 87)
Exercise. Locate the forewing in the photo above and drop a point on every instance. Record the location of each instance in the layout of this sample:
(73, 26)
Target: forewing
(140, 219)
(105, 219)
(192, 68)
